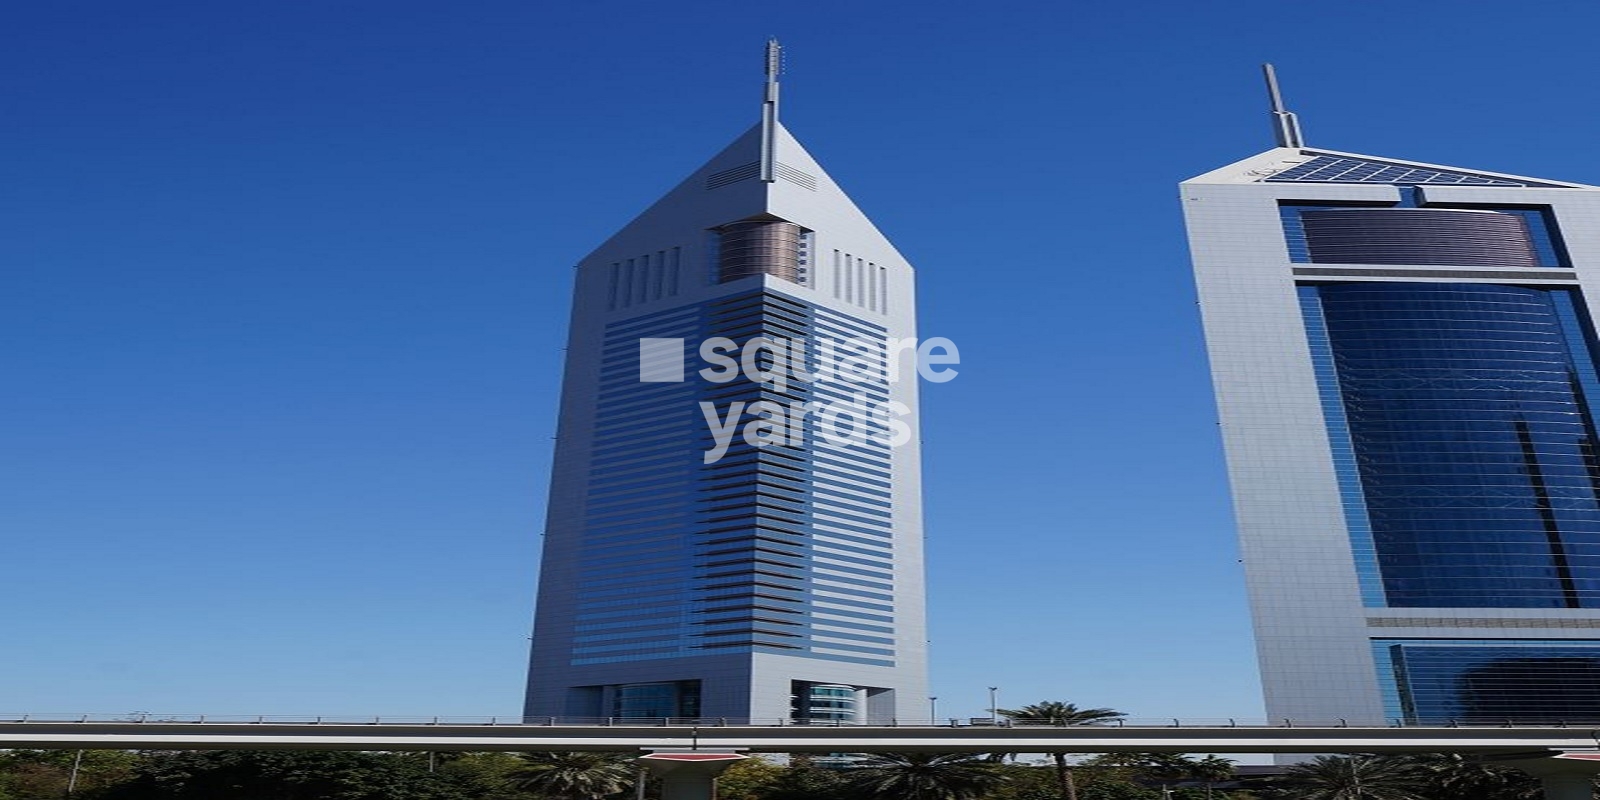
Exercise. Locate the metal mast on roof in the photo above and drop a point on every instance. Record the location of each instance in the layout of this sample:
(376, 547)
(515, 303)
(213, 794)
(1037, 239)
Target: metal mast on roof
(1285, 127)
(769, 114)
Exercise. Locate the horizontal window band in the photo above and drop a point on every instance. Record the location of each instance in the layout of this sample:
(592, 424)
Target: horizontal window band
(1478, 622)
(754, 533)
(710, 645)
(751, 561)
(749, 607)
(747, 620)
(1503, 275)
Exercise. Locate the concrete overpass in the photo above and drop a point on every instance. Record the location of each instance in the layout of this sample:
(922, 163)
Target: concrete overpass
(378, 735)
(1564, 758)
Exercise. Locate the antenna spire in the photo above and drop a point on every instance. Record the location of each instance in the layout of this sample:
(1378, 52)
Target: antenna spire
(769, 113)
(1285, 126)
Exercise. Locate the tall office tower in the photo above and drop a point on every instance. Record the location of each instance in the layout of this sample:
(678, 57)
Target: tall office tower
(1404, 357)
(735, 517)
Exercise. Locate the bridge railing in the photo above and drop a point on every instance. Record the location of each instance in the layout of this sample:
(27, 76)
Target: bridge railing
(520, 720)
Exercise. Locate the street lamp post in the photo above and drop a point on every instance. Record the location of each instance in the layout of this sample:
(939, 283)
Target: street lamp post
(933, 711)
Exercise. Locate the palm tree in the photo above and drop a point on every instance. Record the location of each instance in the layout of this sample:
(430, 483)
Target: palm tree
(1052, 712)
(1168, 768)
(1171, 768)
(1211, 769)
(927, 776)
(1357, 777)
(575, 776)
(1452, 775)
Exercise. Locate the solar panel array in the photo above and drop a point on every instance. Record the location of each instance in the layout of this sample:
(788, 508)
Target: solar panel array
(1337, 169)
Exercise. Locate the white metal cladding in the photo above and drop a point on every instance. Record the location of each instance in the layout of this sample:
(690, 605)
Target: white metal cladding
(619, 469)
(1313, 629)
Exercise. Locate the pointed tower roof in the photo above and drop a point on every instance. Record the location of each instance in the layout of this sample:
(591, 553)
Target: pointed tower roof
(1292, 162)
(765, 173)
(729, 188)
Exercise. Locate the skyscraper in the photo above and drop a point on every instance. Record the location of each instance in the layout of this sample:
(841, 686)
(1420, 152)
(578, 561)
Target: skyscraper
(735, 517)
(1404, 357)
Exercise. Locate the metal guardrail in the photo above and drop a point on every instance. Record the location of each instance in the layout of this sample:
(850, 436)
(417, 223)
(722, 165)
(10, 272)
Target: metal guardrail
(719, 722)
(211, 732)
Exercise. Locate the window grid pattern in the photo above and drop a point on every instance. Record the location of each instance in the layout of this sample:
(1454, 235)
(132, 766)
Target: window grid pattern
(1474, 441)
(635, 568)
(655, 700)
(1345, 468)
(822, 702)
(852, 527)
(772, 568)
(1483, 681)
(783, 548)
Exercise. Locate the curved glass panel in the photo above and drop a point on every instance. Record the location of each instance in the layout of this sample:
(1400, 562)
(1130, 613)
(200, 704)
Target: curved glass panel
(1445, 237)
(1472, 441)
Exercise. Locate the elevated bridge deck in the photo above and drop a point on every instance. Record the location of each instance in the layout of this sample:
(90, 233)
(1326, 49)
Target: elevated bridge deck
(633, 736)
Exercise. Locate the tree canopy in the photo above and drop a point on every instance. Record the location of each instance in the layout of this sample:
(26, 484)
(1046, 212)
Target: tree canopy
(325, 775)
(927, 776)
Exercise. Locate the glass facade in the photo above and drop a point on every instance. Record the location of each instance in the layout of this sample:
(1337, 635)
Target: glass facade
(824, 702)
(1449, 243)
(656, 700)
(1414, 453)
(1433, 236)
(780, 545)
(1466, 429)
(632, 591)
(1463, 439)
(1492, 681)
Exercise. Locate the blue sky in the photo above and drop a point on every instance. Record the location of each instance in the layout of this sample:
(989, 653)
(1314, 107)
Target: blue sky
(283, 290)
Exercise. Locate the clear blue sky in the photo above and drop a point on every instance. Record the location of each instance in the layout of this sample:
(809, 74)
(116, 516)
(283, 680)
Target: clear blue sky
(285, 287)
